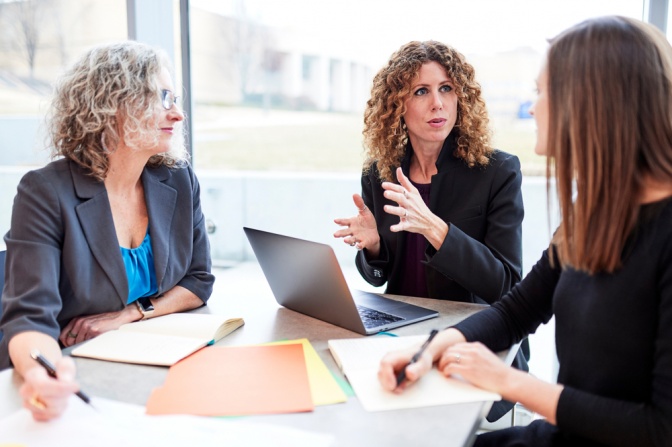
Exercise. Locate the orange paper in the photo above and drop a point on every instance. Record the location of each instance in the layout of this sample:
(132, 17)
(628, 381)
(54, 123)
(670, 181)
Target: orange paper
(235, 381)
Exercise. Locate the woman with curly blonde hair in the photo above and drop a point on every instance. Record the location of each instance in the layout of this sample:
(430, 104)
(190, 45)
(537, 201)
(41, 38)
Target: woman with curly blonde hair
(109, 233)
(449, 227)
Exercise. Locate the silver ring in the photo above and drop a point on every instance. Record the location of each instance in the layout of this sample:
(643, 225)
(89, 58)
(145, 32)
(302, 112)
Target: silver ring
(71, 335)
(458, 357)
(352, 244)
(405, 213)
(405, 193)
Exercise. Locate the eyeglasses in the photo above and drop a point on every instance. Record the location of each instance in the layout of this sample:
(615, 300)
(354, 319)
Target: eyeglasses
(168, 99)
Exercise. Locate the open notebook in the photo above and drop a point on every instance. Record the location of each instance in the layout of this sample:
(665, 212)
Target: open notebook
(160, 341)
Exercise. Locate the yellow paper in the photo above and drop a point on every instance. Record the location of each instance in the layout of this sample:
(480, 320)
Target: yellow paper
(323, 387)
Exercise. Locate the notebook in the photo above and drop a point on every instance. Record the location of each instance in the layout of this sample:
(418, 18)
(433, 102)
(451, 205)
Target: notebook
(306, 277)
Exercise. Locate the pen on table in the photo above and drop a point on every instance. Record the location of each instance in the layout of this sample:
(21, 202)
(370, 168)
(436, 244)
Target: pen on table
(401, 376)
(44, 363)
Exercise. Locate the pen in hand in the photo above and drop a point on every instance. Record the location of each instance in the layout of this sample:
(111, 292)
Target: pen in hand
(51, 371)
(401, 376)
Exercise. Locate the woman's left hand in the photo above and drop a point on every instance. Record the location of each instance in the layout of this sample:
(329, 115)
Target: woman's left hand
(476, 364)
(85, 327)
(414, 215)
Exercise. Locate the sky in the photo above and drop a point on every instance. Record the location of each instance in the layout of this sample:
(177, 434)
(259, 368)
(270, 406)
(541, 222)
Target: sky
(376, 28)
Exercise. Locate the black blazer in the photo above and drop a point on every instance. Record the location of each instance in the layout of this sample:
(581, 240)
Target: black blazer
(63, 257)
(481, 258)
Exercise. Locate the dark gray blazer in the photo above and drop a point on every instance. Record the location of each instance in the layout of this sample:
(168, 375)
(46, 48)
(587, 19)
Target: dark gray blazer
(63, 257)
(481, 258)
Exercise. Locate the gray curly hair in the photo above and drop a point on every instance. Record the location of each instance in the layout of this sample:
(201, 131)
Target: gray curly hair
(107, 83)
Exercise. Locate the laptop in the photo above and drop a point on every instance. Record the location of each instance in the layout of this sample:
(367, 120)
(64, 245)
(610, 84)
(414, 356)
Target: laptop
(306, 277)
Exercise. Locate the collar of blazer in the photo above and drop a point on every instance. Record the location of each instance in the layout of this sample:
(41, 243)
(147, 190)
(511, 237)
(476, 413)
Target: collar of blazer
(87, 187)
(444, 162)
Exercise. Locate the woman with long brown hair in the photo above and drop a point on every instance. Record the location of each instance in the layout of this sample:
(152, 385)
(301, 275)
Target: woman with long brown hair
(604, 118)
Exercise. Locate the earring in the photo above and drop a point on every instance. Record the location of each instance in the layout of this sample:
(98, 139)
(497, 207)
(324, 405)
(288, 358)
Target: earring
(103, 143)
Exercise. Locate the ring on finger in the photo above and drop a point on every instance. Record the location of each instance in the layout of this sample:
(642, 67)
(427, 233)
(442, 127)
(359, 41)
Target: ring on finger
(37, 403)
(458, 357)
(405, 213)
(405, 193)
(71, 335)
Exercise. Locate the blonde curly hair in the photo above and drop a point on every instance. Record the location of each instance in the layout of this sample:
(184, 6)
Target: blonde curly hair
(110, 93)
(385, 136)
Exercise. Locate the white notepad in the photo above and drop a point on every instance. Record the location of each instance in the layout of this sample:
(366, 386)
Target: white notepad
(359, 360)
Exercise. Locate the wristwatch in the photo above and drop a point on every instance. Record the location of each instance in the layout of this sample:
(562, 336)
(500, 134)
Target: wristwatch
(145, 307)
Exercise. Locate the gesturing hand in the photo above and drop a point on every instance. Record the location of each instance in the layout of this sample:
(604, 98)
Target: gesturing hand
(414, 215)
(360, 231)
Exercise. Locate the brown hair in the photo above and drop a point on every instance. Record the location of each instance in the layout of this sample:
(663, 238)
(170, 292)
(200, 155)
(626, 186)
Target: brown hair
(610, 103)
(107, 83)
(385, 137)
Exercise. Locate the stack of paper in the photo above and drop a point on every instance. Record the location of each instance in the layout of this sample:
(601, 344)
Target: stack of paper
(323, 387)
(359, 358)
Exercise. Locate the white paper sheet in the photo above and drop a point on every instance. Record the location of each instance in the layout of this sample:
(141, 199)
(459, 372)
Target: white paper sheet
(433, 389)
(359, 358)
(117, 424)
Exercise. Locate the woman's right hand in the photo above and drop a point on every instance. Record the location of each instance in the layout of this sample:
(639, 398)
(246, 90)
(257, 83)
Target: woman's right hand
(46, 397)
(361, 230)
(394, 362)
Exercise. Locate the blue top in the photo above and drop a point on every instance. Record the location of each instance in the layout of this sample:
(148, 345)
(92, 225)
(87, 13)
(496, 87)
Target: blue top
(139, 263)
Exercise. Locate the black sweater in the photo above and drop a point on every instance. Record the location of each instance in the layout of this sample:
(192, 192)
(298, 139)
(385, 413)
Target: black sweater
(613, 338)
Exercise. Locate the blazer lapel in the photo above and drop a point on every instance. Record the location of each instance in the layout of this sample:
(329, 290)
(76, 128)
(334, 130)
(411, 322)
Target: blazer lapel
(444, 179)
(161, 200)
(95, 219)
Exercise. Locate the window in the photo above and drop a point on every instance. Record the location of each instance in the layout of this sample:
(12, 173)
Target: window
(38, 38)
(293, 77)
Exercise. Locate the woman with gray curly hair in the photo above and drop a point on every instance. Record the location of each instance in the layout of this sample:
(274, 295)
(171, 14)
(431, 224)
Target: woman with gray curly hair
(449, 226)
(112, 231)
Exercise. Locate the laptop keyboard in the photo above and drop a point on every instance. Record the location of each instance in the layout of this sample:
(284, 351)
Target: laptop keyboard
(374, 318)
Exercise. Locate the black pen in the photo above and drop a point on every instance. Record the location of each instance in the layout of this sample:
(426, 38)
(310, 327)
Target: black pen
(402, 374)
(44, 363)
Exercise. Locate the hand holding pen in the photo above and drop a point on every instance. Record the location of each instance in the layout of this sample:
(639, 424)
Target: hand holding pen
(47, 398)
(401, 376)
